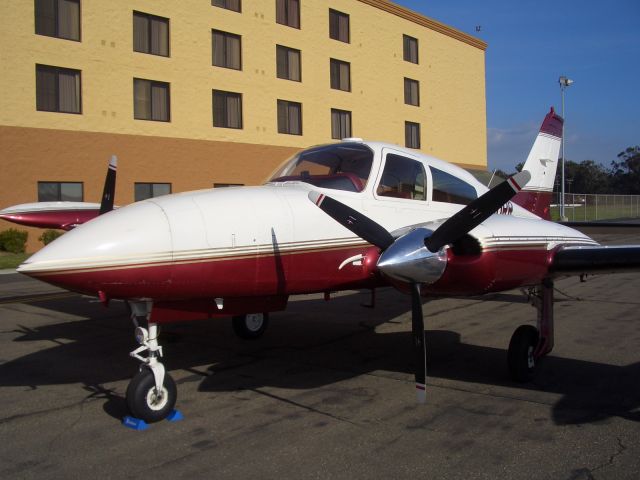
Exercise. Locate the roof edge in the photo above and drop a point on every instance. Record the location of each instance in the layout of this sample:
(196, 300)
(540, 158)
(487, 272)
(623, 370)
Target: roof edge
(426, 22)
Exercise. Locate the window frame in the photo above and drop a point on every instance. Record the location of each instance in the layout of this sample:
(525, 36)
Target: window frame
(341, 113)
(57, 71)
(226, 95)
(59, 196)
(56, 26)
(286, 21)
(286, 51)
(152, 83)
(286, 128)
(151, 185)
(407, 126)
(227, 7)
(334, 66)
(334, 25)
(149, 17)
(227, 57)
(407, 41)
(408, 92)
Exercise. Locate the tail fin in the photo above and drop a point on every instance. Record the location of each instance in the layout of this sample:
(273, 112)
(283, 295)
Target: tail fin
(109, 191)
(542, 163)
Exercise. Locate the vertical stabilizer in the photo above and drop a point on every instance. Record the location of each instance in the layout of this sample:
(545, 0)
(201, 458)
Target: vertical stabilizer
(109, 191)
(542, 163)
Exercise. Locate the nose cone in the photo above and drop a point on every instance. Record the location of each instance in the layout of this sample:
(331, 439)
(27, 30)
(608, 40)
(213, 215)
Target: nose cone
(105, 253)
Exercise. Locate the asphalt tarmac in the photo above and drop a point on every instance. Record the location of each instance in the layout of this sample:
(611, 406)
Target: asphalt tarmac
(328, 391)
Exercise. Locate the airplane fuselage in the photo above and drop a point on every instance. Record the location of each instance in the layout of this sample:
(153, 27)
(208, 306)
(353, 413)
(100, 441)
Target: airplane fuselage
(251, 247)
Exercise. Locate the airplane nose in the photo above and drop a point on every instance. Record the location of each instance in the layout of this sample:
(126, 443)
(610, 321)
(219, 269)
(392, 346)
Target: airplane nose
(128, 247)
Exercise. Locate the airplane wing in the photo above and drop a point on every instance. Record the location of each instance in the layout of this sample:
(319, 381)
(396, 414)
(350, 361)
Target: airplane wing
(64, 215)
(580, 260)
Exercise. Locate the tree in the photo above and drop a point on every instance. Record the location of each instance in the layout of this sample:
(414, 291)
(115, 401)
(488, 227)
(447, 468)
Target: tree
(625, 173)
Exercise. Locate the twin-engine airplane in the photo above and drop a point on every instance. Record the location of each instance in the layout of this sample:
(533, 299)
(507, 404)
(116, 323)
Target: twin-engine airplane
(348, 215)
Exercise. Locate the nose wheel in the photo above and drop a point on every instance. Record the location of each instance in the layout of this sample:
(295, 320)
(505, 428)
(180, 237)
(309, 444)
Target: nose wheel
(144, 399)
(152, 393)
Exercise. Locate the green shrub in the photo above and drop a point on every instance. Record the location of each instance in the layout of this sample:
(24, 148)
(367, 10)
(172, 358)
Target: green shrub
(13, 240)
(49, 236)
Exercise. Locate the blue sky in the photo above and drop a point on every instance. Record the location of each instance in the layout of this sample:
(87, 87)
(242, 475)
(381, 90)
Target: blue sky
(532, 43)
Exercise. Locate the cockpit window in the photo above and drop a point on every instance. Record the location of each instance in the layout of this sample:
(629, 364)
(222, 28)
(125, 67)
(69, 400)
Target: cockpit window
(448, 188)
(341, 166)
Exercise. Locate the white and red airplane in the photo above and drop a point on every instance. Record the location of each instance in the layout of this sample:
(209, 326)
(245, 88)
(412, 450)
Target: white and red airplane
(347, 215)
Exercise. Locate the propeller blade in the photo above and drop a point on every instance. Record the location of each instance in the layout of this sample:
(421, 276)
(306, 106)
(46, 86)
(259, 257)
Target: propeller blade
(476, 212)
(353, 220)
(419, 346)
(109, 191)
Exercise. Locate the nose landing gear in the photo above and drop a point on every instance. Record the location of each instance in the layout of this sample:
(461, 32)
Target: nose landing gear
(152, 393)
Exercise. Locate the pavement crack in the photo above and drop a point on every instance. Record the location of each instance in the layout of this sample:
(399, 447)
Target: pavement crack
(612, 458)
(302, 406)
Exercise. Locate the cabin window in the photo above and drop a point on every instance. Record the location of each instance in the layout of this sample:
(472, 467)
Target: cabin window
(343, 166)
(402, 178)
(449, 188)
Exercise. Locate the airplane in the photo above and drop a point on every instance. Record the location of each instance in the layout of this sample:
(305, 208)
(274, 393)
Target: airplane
(64, 215)
(347, 215)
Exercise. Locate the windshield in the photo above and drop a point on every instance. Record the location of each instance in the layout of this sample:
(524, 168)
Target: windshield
(340, 166)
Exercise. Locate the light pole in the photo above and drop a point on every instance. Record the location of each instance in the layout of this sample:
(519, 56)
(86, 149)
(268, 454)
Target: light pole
(564, 83)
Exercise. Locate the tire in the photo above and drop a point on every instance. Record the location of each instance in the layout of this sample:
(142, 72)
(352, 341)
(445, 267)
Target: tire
(142, 400)
(251, 325)
(520, 357)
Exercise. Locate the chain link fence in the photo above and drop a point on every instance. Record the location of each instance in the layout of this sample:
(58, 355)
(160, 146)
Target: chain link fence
(582, 207)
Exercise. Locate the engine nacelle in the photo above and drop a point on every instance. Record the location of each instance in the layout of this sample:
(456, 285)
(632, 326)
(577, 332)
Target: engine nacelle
(409, 260)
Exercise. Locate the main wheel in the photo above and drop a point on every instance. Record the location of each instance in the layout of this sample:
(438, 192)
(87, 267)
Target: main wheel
(145, 402)
(520, 357)
(251, 325)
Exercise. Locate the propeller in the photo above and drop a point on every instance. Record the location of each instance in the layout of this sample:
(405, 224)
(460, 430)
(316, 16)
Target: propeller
(109, 191)
(417, 257)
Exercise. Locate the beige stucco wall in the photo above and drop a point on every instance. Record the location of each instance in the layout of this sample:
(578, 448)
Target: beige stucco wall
(451, 73)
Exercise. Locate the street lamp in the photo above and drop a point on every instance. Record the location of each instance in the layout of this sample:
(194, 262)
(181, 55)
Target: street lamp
(564, 83)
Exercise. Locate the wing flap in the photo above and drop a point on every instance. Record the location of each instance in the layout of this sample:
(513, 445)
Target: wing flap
(600, 259)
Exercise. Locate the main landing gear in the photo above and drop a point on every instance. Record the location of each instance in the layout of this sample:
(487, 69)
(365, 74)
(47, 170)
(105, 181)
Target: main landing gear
(528, 343)
(251, 325)
(152, 393)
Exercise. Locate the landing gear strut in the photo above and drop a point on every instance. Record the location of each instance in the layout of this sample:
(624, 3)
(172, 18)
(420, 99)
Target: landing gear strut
(152, 393)
(528, 343)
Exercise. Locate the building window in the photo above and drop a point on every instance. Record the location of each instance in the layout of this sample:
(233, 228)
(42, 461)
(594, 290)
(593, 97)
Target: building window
(288, 13)
(289, 117)
(58, 18)
(58, 89)
(60, 192)
(151, 100)
(150, 34)
(411, 92)
(410, 48)
(227, 51)
(340, 124)
(338, 26)
(142, 191)
(412, 135)
(340, 75)
(288, 63)
(234, 5)
(225, 185)
(227, 109)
